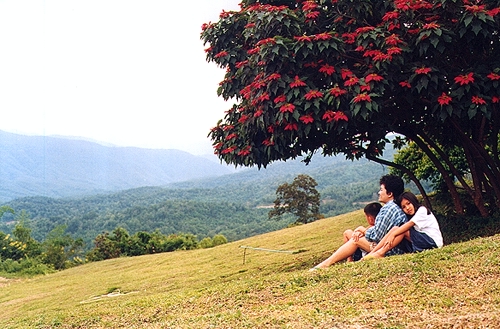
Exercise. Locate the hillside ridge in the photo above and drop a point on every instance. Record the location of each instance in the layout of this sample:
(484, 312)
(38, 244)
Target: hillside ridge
(62, 167)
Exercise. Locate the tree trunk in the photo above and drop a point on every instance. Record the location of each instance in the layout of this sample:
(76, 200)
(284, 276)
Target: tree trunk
(459, 208)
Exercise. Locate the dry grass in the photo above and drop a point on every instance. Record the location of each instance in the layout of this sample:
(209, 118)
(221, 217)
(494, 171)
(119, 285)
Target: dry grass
(455, 287)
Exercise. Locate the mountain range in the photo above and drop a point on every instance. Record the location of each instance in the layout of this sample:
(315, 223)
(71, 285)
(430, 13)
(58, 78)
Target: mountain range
(63, 167)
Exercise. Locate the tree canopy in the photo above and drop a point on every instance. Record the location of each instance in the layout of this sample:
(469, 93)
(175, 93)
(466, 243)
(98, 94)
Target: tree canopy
(340, 75)
(299, 198)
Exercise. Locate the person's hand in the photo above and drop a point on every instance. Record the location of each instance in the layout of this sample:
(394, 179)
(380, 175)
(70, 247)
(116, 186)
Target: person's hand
(356, 235)
(389, 241)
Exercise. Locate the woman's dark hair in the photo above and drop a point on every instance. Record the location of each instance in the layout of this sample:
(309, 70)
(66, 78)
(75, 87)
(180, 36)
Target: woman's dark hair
(412, 198)
(372, 209)
(393, 184)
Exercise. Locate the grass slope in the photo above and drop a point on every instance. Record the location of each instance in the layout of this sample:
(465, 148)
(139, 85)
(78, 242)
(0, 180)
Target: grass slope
(454, 287)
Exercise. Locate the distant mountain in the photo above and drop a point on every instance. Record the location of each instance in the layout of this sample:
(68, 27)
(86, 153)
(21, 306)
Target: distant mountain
(60, 167)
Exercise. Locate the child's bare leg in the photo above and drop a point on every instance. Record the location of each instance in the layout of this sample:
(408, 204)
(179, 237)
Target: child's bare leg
(347, 237)
(346, 250)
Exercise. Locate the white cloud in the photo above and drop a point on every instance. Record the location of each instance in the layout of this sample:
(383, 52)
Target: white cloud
(125, 72)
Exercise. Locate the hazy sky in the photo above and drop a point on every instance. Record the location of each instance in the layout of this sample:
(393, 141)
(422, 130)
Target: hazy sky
(130, 73)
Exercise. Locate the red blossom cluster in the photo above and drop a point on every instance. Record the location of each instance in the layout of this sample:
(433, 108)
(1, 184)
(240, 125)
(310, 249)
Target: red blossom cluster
(388, 43)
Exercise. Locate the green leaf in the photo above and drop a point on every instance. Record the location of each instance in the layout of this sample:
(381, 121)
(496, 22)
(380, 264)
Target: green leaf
(472, 112)
(468, 19)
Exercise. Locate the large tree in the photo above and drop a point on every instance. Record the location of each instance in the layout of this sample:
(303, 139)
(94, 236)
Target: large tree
(340, 75)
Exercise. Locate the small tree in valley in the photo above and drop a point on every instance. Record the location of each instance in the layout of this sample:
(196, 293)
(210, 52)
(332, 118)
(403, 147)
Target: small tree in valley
(299, 198)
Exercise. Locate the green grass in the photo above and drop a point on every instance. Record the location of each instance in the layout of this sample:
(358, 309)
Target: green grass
(454, 287)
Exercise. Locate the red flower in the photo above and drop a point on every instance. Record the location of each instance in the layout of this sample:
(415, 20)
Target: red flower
(349, 37)
(253, 51)
(423, 70)
(394, 51)
(311, 64)
(494, 76)
(364, 29)
(258, 113)
(313, 94)
(327, 69)
(245, 151)
(267, 142)
(249, 25)
(222, 54)
(362, 98)
(243, 118)
(465, 79)
(393, 26)
(297, 82)
(478, 100)
(351, 82)
(307, 119)
(390, 16)
(266, 41)
(303, 38)
(280, 99)
(336, 91)
(393, 40)
(241, 64)
(263, 97)
(372, 53)
(312, 15)
(292, 126)
(258, 84)
(405, 84)
(224, 14)
(444, 99)
(431, 26)
(330, 116)
(382, 57)
(475, 8)
(229, 150)
(287, 108)
(373, 77)
(274, 77)
(365, 88)
(346, 73)
(495, 99)
(494, 11)
(322, 36)
(309, 5)
(231, 136)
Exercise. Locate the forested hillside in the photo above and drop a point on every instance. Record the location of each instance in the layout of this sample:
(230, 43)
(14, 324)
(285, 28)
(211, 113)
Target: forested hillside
(61, 167)
(235, 205)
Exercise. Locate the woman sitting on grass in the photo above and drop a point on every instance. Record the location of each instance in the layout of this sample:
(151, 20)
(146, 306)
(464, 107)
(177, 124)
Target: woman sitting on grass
(422, 230)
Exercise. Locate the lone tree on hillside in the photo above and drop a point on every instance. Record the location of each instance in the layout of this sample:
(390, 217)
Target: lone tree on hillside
(340, 75)
(299, 198)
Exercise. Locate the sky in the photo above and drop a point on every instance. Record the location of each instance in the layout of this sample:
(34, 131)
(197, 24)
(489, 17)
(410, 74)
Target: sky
(122, 72)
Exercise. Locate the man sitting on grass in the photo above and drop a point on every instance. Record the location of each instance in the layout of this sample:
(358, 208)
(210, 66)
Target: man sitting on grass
(390, 215)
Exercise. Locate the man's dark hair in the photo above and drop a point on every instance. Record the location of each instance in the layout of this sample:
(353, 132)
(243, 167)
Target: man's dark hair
(372, 209)
(393, 184)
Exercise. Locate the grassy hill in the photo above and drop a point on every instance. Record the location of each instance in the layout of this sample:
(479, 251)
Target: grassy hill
(231, 287)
